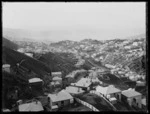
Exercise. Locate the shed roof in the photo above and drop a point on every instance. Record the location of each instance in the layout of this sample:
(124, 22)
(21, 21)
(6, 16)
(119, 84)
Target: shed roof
(60, 96)
(74, 90)
(113, 99)
(130, 93)
(29, 107)
(56, 73)
(33, 80)
(6, 65)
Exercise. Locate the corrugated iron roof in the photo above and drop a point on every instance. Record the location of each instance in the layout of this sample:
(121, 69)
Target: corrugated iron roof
(74, 90)
(107, 90)
(60, 96)
(29, 107)
(84, 82)
(130, 93)
(57, 78)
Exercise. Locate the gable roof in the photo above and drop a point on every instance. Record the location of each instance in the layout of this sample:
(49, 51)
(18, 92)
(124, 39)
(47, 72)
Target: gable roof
(33, 106)
(107, 90)
(60, 96)
(130, 93)
(83, 82)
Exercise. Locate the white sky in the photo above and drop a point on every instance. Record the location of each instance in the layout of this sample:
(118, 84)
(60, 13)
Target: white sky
(77, 20)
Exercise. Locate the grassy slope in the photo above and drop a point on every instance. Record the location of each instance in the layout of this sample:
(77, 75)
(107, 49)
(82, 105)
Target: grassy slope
(12, 57)
(58, 62)
(9, 44)
(96, 101)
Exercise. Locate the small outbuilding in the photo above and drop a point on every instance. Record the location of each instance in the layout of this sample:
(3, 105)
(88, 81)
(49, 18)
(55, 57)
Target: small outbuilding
(109, 92)
(6, 67)
(60, 99)
(84, 83)
(132, 97)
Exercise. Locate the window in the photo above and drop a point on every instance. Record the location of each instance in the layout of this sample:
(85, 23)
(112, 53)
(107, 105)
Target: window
(71, 100)
(134, 100)
(62, 103)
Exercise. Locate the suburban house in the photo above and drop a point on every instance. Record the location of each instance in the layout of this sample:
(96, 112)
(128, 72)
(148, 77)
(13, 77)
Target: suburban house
(110, 92)
(84, 83)
(57, 79)
(6, 67)
(140, 83)
(132, 97)
(6, 110)
(35, 81)
(59, 99)
(34, 106)
(56, 74)
(36, 86)
(74, 90)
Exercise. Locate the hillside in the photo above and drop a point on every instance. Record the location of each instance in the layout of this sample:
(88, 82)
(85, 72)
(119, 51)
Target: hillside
(12, 57)
(59, 62)
(9, 44)
(138, 65)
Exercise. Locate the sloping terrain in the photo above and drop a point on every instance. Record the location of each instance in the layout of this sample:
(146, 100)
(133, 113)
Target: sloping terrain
(58, 62)
(138, 65)
(96, 101)
(11, 82)
(9, 44)
(12, 57)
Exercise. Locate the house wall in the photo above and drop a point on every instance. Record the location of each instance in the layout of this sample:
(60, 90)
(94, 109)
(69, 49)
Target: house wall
(116, 95)
(59, 103)
(137, 103)
(7, 69)
(66, 102)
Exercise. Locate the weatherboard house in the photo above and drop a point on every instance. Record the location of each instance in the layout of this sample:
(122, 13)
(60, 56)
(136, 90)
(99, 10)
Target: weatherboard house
(84, 83)
(60, 99)
(57, 74)
(132, 97)
(36, 85)
(110, 92)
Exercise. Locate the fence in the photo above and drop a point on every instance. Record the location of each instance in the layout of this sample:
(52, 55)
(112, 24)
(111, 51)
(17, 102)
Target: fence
(105, 98)
(86, 104)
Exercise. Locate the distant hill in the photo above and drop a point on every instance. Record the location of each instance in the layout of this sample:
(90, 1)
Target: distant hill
(9, 44)
(91, 41)
(137, 36)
